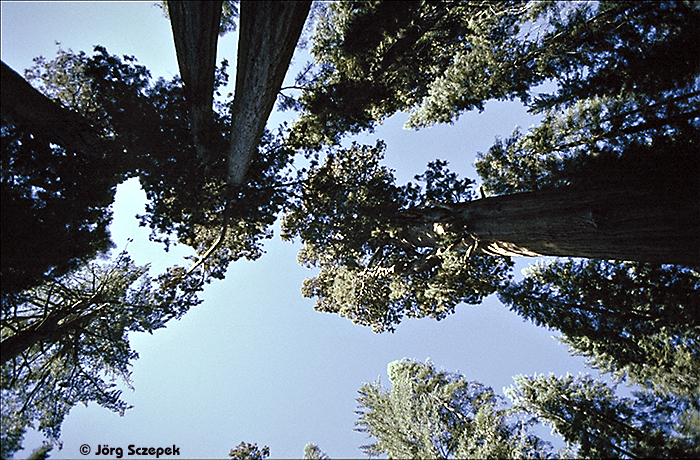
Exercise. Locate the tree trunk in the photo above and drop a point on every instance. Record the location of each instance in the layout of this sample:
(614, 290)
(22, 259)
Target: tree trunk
(633, 220)
(195, 27)
(22, 105)
(48, 330)
(269, 31)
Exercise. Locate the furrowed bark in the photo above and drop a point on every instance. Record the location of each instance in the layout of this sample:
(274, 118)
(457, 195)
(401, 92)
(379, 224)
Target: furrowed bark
(269, 31)
(623, 224)
(195, 27)
(634, 221)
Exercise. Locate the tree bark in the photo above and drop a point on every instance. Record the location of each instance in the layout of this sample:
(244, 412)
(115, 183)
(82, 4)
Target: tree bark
(195, 27)
(22, 105)
(634, 221)
(269, 31)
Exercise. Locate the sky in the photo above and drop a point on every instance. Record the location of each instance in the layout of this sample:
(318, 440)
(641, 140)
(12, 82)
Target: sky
(255, 362)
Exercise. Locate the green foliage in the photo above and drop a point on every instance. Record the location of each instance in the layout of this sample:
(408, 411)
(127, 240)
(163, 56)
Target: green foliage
(247, 451)
(630, 319)
(380, 257)
(55, 201)
(148, 123)
(53, 216)
(625, 76)
(375, 59)
(600, 424)
(66, 341)
(313, 452)
(620, 49)
(434, 414)
(593, 142)
(441, 59)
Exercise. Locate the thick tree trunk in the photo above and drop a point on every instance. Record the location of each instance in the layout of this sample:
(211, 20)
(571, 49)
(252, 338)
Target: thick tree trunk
(269, 31)
(195, 27)
(629, 224)
(22, 105)
(636, 221)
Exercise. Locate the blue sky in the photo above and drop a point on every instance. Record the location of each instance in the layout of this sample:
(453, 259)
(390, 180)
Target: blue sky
(255, 362)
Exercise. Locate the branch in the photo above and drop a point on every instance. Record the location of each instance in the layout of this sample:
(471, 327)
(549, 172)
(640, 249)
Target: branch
(215, 246)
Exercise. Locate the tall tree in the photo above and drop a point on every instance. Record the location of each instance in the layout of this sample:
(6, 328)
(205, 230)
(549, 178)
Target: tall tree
(438, 65)
(61, 333)
(195, 33)
(437, 60)
(66, 341)
(268, 36)
(428, 413)
(139, 118)
(610, 173)
(53, 218)
(599, 424)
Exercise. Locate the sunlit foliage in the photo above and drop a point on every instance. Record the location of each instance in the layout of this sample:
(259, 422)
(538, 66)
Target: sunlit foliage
(379, 258)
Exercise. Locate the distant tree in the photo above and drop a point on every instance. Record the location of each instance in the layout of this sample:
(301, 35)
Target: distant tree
(313, 452)
(66, 341)
(432, 414)
(247, 451)
(636, 321)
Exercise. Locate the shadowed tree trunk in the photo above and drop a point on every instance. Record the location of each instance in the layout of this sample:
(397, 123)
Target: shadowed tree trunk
(269, 31)
(268, 34)
(22, 105)
(634, 220)
(195, 27)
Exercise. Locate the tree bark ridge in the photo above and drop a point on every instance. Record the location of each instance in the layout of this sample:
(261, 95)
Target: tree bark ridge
(638, 224)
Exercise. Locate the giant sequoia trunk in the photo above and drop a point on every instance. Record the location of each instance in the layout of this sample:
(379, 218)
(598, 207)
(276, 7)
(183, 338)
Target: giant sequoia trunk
(268, 35)
(195, 27)
(623, 224)
(635, 220)
(269, 31)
